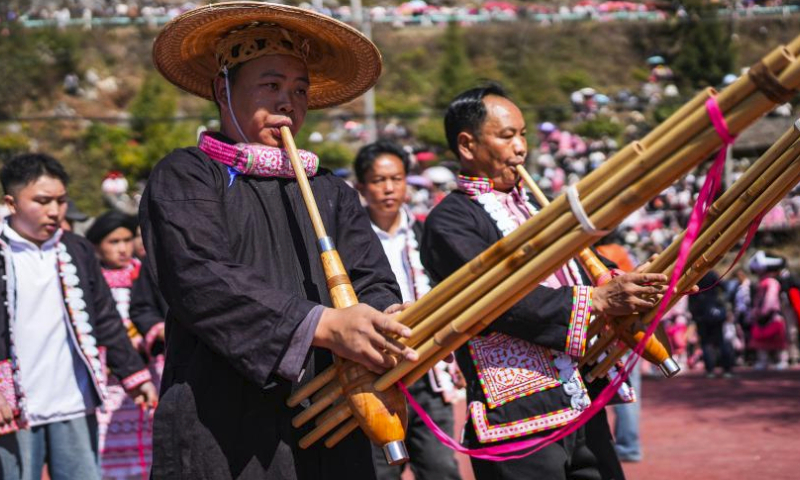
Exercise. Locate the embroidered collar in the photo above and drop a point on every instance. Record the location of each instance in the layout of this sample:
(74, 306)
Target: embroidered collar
(475, 186)
(488, 200)
(254, 159)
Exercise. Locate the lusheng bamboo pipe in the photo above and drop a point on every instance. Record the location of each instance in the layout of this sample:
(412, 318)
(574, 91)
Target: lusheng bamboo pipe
(750, 109)
(610, 213)
(382, 415)
(775, 61)
(761, 195)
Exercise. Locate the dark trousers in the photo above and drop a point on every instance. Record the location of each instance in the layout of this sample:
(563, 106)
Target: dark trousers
(429, 458)
(716, 351)
(568, 459)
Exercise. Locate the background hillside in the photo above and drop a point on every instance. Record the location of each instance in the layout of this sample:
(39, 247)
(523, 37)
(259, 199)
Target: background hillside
(93, 99)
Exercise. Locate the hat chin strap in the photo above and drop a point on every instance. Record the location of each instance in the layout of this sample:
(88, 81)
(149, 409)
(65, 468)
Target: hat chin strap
(230, 107)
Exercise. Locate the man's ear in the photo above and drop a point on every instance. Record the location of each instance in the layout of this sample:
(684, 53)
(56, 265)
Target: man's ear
(221, 93)
(466, 146)
(10, 203)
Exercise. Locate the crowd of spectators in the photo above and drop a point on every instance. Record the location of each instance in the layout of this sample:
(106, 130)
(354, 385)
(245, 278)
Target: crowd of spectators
(398, 14)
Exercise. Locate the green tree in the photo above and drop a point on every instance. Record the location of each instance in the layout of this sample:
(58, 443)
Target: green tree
(455, 71)
(33, 65)
(334, 155)
(153, 125)
(12, 144)
(599, 127)
(705, 52)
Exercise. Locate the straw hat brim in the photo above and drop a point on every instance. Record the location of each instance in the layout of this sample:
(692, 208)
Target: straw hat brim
(342, 63)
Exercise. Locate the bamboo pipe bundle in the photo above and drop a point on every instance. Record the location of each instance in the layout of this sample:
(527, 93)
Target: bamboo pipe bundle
(382, 415)
(739, 118)
(775, 61)
(454, 343)
(774, 172)
(548, 222)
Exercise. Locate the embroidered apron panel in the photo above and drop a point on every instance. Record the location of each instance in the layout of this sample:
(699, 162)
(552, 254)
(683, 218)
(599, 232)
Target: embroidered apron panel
(510, 368)
(488, 433)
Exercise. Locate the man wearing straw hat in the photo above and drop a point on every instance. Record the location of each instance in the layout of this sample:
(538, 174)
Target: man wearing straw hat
(521, 372)
(235, 255)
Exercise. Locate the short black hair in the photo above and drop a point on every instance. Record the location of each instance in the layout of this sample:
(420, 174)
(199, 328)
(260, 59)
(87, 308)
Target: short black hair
(368, 153)
(467, 112)
(26, 168)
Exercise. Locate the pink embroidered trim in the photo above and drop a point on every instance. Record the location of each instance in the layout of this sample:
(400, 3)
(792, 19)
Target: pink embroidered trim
(122, 277)
(138, 378)
(9, 393)
(256, 160)
(510, 368)
(152, 336)
(579, 321)
(474, 186)
(503, 431)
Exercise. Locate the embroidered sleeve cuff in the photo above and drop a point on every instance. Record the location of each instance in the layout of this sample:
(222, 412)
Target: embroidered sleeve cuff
(132, 381)
(579, 321)
(153, 336)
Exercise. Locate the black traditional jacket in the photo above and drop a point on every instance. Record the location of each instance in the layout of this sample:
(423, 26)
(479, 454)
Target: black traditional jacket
(148, 309)
(94, 322)
(237, 263)
(520, 380)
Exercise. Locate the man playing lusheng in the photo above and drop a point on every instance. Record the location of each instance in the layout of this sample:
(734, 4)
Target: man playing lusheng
(538, 341)
(234, 251)
(381, 169)
(58, 313)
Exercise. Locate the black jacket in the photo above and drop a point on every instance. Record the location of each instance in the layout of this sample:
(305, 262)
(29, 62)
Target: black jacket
(103, 318)
(237, 263)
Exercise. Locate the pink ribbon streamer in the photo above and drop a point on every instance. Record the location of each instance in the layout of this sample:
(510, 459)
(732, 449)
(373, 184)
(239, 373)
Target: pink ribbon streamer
(140, 442)
(708, 192)
(751, 233)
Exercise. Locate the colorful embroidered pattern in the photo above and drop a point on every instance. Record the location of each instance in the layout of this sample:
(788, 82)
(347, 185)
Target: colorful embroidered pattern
(76, 308)
(510, 368)
(503, 431)
(138, 378)
(579, 321)
(474, 186)
(256, 160)
(9, 393)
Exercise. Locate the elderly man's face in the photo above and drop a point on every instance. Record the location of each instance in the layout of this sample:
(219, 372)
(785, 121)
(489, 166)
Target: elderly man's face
(268, 93)
(500, 145)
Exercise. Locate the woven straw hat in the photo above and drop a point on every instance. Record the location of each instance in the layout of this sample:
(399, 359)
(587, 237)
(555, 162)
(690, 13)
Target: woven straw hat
(342, 63)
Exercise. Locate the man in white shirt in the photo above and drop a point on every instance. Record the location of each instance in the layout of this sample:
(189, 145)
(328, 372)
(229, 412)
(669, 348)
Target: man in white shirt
(58, 315)
(381, 169)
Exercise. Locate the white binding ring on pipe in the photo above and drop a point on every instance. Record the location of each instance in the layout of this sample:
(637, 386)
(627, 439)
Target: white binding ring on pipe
(580, 214)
